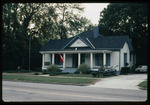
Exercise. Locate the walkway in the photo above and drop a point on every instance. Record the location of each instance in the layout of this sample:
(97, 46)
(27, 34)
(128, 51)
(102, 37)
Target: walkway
(121, 81)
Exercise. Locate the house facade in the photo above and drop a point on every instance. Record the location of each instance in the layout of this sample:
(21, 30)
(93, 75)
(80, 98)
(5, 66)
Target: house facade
(89, 48)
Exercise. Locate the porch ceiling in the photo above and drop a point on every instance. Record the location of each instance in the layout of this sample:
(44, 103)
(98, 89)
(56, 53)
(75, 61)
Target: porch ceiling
(79, 51)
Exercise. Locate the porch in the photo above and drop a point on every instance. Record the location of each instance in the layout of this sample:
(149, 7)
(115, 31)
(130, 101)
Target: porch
(74, 59)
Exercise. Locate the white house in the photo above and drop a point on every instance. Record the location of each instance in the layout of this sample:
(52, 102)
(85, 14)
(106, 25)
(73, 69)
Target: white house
(90, 48)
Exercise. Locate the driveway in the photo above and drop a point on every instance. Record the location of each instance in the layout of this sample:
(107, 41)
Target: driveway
(121, 81)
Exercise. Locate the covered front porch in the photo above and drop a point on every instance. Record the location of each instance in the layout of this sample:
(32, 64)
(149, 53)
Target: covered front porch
(73, 59)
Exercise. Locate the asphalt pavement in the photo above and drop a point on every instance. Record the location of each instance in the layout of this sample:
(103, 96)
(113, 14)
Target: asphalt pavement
(40, 92)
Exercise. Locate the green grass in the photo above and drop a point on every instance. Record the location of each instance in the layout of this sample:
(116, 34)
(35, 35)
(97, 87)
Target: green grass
(143, 84)
(49, 79)
(77, 75)
(84, 75)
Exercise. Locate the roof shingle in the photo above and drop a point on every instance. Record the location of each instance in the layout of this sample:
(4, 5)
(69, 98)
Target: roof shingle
(101, 42)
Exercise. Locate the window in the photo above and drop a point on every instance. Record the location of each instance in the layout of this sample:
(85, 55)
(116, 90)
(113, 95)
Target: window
(46, 63)
(98, 59)
(107, 59)
(125, 59)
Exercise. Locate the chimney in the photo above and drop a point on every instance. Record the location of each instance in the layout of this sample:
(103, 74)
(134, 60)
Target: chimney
(96, 32)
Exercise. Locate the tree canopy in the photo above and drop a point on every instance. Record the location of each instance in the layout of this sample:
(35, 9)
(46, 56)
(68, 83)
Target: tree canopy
(50, 20)
(128, 19)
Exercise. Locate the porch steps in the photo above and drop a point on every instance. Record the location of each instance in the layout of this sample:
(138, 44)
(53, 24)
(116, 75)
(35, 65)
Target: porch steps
(70, 70)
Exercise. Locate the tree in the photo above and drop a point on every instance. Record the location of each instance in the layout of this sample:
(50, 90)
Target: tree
(16, 19)
(127, 19)
(51, 21)
(70, 21)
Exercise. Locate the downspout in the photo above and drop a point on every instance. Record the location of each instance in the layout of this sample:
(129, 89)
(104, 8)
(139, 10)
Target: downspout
(119, 61)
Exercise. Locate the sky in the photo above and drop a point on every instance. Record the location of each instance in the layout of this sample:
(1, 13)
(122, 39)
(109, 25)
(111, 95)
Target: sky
(92, 11)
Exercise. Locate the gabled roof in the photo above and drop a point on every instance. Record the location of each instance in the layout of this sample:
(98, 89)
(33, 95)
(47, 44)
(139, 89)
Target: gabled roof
(74, 39)
(101, 42)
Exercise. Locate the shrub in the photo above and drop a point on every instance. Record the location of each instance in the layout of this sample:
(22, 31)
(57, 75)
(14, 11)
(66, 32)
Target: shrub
(36, 73)
(52, 74)
(95, 73)
(125, 70)
(52, 69)
(132, 70)
(84, 68)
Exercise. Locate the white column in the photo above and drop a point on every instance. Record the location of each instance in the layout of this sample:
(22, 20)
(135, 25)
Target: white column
(43, 59)
(79, 57)
(53, 58)
(64, 58)
(91, 60)
(104, 58)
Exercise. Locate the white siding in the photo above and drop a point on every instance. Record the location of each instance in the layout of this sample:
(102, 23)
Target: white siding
(87, 59)
(47, 58)
(94, 60)
(131, 62)
(68, 60)
(78, 43)
(114, 57)
(125, 49)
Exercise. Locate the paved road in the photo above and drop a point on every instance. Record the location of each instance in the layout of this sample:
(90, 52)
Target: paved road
(35, 92)
(122, 82)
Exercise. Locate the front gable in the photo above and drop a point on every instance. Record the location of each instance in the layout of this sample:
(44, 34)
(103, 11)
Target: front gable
(125, 47)
(77, 42)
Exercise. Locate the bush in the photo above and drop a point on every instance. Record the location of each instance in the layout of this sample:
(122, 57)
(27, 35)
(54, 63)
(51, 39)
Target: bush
(36, 73)
(52, 74)
(132, 70)
(125, 70)
(52, 69)
(95, 73)
(84, 68)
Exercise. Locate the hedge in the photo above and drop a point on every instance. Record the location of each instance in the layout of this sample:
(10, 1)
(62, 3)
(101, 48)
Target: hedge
(125, 70)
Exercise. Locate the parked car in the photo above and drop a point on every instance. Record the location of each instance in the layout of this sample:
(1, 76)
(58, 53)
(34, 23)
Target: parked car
(141, 68)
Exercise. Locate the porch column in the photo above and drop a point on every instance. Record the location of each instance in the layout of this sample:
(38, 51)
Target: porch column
(64, 58)
(79, 57)
(91, 60)
(43, 58)
(104, 58)
(53, 58)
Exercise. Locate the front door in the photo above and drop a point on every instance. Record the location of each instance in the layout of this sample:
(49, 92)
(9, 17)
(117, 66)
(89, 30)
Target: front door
(74, 60)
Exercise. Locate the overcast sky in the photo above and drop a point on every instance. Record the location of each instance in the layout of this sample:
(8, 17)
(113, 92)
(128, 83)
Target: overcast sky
(92, 11)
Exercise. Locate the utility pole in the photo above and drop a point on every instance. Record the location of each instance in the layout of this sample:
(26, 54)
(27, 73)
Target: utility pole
(31, 26)
(29, 51)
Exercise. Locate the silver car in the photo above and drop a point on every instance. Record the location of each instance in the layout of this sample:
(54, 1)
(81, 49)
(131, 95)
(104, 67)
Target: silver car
(141, 68)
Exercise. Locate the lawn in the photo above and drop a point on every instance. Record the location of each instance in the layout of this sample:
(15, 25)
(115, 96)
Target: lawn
(50, 79)
(143, 84)
(84, 75)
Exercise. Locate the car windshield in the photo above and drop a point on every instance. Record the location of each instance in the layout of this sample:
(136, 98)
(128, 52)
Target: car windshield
(140, 67)
(144, 67)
